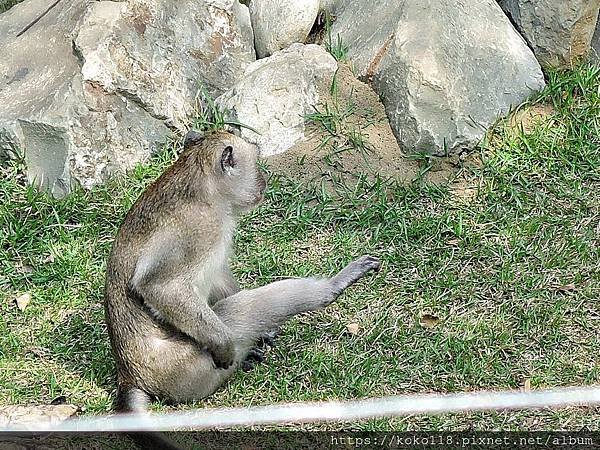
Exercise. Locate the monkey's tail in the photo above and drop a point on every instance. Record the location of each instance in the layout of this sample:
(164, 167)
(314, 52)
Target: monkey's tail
(131, 399)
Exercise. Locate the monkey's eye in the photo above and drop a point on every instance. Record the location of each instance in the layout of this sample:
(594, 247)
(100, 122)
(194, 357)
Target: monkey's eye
(227, 160)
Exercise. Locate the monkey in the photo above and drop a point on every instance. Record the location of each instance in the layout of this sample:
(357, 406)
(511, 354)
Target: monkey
(178, 323)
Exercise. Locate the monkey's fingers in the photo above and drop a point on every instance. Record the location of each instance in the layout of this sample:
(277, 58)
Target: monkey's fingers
(224, 356)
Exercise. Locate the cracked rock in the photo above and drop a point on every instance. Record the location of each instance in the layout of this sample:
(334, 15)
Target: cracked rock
(558, 31)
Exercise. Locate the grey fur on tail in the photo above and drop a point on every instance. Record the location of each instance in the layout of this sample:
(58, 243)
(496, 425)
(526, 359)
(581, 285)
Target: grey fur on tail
(134, 400)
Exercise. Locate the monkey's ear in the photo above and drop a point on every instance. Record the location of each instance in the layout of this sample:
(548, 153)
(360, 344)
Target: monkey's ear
(192, 138)
(227, 159)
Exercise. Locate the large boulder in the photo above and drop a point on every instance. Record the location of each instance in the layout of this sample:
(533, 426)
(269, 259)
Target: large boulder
(279, 23)
(95, 87)
(276, 93)
(445, 70)
(558, 31)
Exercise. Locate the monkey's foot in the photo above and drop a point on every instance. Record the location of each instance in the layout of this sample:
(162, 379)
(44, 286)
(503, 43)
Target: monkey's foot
(268, 339)
(254, 357)
(354, 272)
(258, 354)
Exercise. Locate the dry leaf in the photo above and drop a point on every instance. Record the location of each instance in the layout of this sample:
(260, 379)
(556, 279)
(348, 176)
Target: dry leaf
(23, 301)
(40, 352)
(24, 268)
(352, 328)
(566, 288)
(527, 385)
(429, 321)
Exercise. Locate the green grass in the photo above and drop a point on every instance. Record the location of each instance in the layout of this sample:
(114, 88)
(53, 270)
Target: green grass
(334, 45)
(506, 256)
(5, 5)
(336, 122)
(209, 117)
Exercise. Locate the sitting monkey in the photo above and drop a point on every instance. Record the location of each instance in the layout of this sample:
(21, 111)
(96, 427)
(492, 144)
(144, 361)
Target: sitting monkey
(178, 324)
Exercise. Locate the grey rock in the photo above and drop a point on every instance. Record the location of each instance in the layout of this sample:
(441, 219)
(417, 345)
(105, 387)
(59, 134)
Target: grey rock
(276, 93)
(331, 6)
(595, 53)
(279, 23)
(445, 69)
(558, 31)
(39, 89)
(96, 87)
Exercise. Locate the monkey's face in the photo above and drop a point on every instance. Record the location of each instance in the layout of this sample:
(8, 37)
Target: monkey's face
(239, 179)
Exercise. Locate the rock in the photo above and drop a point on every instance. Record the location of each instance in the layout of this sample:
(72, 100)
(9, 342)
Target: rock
(558, 31)
(331, 6)
(95, 87)
(595, 53)
(445, 70)
(276, 93)
(279, 23)
(13, 415)
(158, 52)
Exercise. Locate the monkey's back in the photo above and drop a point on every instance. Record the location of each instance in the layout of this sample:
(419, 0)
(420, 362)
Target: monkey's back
(140, 342)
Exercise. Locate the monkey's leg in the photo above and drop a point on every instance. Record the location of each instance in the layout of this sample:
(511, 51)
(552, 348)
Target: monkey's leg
(226, 286)
(253, 313)
(190, 373)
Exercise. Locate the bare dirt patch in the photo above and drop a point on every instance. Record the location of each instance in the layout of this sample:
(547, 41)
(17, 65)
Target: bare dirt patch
(332, 156)
(528, 117)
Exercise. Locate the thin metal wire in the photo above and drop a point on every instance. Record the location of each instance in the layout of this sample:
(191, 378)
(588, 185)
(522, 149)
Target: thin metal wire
(202, 419)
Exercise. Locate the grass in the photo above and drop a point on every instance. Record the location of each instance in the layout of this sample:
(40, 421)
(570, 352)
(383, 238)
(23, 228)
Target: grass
(5, 5)
(502, 266)
(334, 45)
(209, 117)
(336, 123)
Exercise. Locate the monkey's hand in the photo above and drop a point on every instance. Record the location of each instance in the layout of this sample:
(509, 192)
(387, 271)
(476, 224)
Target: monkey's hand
(223, 353)
(354, 272)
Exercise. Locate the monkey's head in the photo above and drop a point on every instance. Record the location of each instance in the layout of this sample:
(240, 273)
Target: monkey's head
(229, 165)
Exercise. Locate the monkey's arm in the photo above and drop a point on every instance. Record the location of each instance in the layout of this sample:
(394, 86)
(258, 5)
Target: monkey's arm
(174, 299)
